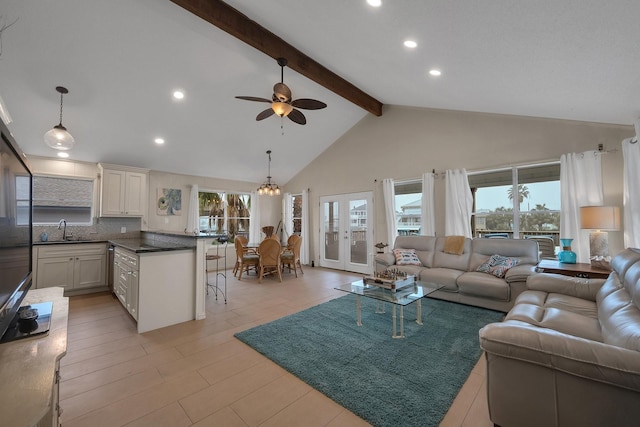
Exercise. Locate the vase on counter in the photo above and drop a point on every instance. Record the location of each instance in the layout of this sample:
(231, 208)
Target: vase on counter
(566, 255)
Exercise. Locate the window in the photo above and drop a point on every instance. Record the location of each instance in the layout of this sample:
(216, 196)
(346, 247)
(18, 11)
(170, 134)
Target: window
(23, 193)
(297, 214)
(408, 205)
(517, 202)
(224, 213)
(55, 198)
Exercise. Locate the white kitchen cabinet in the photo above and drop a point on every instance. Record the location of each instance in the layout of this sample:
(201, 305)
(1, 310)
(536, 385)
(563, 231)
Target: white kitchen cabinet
(126, 280)
(123, 191)
(73, 266)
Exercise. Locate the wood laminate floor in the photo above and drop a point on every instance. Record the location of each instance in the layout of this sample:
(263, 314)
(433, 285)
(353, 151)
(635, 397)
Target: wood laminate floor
(197, 374)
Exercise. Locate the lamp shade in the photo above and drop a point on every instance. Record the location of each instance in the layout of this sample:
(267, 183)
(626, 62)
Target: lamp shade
(600, 217)
(281, 108)
(59, 138)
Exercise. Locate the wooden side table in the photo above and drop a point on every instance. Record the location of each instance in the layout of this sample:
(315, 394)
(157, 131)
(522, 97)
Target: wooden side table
(583, 270)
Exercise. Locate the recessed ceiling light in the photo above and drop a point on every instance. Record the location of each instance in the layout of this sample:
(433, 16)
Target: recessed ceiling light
(435, 72)
(410, 44)
(178, 94)
(159, 141)
(63, 154)
(375, 3)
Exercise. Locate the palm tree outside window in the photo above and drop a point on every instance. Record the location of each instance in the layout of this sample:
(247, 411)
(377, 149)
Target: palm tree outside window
(224, 213)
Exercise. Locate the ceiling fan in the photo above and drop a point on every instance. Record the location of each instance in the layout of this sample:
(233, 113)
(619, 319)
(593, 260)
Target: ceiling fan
(281, 103)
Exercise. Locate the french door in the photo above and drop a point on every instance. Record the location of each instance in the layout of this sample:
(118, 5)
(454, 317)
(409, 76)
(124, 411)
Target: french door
(346, 232)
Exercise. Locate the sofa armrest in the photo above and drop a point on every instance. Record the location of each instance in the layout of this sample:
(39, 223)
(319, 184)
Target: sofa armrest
(576, 356)
(519, 273)
(566, 285)
(387, 259)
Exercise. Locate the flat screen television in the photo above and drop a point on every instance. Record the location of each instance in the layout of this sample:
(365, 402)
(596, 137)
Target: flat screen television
(16, 244)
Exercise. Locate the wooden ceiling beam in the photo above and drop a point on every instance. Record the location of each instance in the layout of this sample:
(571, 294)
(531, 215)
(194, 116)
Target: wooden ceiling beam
(240, 26)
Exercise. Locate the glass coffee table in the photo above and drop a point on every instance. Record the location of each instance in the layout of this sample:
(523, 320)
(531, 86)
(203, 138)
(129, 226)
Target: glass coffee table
(397, 298)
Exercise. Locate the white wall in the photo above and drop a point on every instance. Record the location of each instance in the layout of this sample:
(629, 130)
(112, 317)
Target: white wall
(406, 142)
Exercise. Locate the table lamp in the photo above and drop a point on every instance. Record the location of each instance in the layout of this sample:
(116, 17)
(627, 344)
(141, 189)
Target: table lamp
(599, 218)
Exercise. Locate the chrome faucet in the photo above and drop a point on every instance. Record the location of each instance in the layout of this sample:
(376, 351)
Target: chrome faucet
(63, 225)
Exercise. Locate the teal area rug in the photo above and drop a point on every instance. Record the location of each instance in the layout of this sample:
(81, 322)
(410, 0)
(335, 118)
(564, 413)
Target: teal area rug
(385, 381)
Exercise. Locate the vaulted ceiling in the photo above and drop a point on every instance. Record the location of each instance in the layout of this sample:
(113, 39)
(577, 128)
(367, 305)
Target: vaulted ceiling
(121, 61)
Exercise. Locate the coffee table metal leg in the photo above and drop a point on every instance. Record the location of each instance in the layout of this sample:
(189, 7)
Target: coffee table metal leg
(358, 315)
(419, 312)
(380, 307)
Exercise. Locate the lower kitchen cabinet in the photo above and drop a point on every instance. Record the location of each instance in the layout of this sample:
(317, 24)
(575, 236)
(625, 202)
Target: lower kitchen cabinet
(74, 267)
(155, 287)
(125, 270)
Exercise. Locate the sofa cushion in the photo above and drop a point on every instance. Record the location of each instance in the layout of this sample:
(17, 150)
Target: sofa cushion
(498, 265)
(424, 246)
(406, 257)
(562, 313)
(484, 285)
(446, 277)
(524, 249)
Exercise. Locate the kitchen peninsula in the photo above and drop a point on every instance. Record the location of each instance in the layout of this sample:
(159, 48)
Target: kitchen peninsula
(155, 280)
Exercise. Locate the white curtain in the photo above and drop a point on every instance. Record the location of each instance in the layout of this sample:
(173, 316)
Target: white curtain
(459, 204)
(304, 250)
(631, 195)
(287, 216)
(580, 185)
(428, 227)
(389, 193)
(193, 218)
(254, 224)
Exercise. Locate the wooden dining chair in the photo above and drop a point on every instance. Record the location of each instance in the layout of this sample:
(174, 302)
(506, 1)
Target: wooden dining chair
(269, 253)
(291, 254)
(244, 259)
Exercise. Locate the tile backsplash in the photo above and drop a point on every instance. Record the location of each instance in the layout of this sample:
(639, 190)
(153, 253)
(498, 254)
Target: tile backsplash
(101, 229)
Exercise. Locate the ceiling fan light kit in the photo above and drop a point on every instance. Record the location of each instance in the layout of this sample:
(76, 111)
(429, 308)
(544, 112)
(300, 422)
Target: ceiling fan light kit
(58, 137)
(269, 188)
(281, 103)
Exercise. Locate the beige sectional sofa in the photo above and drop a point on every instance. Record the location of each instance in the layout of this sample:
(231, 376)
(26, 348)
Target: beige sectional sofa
(462, 283)
(568, 352)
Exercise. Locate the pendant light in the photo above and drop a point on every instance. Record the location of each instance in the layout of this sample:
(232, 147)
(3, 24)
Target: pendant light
(269, 188)
(58, 137)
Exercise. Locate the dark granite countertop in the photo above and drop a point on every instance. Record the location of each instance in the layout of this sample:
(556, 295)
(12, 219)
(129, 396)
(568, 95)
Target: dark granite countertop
(146, 246)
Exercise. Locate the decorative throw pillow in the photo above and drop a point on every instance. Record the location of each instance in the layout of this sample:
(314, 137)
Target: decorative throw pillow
(454, 245)
(406, 257)
(498, 265)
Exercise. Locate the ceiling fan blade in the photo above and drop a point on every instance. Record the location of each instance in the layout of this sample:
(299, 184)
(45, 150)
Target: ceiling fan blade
(297, 117)
(263, 115)
(254, 98)
(308, 104)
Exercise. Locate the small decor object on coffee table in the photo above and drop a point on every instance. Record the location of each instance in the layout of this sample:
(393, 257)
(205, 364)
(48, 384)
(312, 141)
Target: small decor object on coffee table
(391, 279)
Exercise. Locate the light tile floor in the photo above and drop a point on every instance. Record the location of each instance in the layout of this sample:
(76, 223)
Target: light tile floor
(197, 374)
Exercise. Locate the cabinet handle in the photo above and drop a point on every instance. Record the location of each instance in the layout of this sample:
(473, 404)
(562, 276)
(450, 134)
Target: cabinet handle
(71, 259)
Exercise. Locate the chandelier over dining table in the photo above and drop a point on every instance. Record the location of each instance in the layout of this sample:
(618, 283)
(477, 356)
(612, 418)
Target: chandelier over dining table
(269, 188)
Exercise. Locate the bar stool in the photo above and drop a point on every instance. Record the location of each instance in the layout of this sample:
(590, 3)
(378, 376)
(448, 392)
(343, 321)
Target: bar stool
(220, 275)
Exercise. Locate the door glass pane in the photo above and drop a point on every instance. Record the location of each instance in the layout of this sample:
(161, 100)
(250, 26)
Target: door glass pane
(358, 230)
(332, 228)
